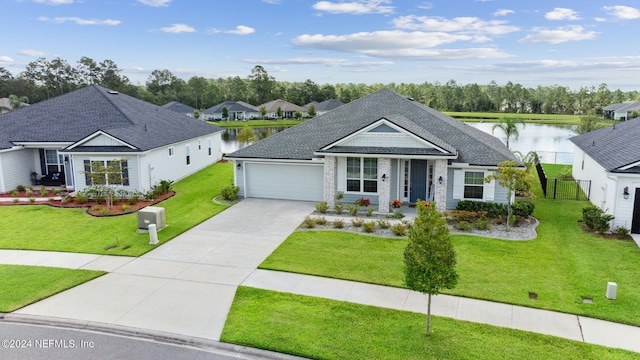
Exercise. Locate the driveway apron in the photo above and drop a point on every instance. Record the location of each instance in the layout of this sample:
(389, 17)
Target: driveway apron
(187, 285)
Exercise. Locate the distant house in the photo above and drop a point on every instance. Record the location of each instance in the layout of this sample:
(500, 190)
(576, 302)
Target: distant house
(325, 106)
(610, 158)
(621, 111)
(68, 135)
(237, 110)
(180, 108)
(5, 105)
(288, 109)
(382, 147)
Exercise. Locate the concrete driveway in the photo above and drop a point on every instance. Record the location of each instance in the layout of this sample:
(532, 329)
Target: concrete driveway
(187, 285)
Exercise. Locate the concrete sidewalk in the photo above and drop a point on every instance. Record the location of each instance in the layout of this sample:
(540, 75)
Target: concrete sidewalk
(562, 325)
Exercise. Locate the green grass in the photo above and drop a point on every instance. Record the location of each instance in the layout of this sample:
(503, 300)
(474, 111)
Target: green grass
(553, 170)
(41, 227)
(256, 123)
(528, 118)
(42, 282)
(562, 265)
(328, 329)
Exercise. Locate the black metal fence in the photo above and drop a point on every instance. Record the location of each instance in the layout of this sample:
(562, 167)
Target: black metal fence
(563, 189)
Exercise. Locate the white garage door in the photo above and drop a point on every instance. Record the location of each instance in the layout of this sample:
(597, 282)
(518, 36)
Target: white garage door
(284, 181)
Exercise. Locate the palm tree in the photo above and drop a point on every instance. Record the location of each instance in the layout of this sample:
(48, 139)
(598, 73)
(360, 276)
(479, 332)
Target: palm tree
(509, 127)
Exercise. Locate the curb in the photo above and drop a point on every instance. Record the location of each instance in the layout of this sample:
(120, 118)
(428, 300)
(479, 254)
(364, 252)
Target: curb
(144, 334)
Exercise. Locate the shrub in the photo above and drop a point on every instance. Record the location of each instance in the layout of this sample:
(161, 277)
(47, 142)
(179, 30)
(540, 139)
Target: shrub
(338, 224)
(55, 191)
(363, 202)
(15, 201)
(357, 222)
(95, 208)
(338, 208)
(384, 224)
(134, 199)
(492, 209)
(32, 200)
(13, 193)
(309, 223)
(20, 188)
(66, 199)
(321, 220)
(230, 192)
(396, 203)
(353, 209)
(565, 173)
(163, 187)
(621, 231)
(28, 193)
(126, 207)
(464, 215)
(596, 219)
(50, 199)
(463, 226)
(369, 211)
(369, 226)
(104, 211)
(482, 224)
(43, 191)
(82, 198)
(523, 208)
(399, 230)
(398, 215)
(123, 194)
(322, 207)
(149, 195)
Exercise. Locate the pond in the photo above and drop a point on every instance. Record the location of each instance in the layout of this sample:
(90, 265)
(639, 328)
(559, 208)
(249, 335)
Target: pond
(550, 141)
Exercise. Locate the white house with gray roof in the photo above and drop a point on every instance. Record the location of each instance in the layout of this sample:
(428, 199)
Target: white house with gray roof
(70, 134)
(382, 147)
(610, 158)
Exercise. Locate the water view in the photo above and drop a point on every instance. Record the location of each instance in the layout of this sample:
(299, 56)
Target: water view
(551, 142)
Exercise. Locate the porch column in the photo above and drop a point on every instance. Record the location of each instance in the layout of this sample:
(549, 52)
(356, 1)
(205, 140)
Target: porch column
(440, 194)
(330, 165)
(384, 189)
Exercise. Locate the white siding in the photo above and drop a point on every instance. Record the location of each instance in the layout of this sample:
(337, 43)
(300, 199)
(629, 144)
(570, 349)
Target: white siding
(624, 207)
(16, 167)
(602, 187)
(103, 140)
(284, 181)
(132, 165)
(385, 140)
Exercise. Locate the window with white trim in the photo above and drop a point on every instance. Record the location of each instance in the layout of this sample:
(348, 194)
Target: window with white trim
(187, 153)
(473, 184)
(362, 175)
(106, 172)
(54, 161)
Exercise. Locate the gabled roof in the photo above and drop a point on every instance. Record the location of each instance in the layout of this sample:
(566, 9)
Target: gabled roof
(179, 107)
(76, 115)
(631, 106)
(613, 147)
(328, 105)
(255, 108)
(272, 106)
(614, 107)
(300, 142)
(232, 106)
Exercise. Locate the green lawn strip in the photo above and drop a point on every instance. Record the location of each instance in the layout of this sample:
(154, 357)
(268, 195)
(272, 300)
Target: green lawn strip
(42, 282)
(255, 123)
(553, 170)
(327, 329)
(528, 118)
(41, 227)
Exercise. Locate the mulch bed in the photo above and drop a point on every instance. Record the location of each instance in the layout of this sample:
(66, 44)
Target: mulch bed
(115, 210)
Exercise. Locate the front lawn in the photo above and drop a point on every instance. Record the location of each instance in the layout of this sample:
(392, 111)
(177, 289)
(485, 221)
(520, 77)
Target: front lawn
(23, 285)
(327, 329)
(41, 227)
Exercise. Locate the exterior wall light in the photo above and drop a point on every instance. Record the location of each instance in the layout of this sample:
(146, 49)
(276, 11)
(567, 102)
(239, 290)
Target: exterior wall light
(440, 180)
(625, 192)
(239, 166)
(384, 176)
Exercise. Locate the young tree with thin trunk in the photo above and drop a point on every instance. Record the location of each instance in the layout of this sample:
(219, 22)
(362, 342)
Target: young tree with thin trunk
(429, 257)
(512, 177)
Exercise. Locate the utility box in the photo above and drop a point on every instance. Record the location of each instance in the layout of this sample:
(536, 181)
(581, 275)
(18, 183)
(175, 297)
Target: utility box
(612, 289)
(151, 215)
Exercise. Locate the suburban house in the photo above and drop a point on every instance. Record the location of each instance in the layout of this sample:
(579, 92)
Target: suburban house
(621, 111)
(236, 109)
(288, 109)
(180, 108)
(382, 147)
(68, 136)
(323, 107)
(610, 158)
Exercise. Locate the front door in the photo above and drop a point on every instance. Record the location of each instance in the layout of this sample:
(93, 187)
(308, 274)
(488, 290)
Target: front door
(418, 184)
(635, 221)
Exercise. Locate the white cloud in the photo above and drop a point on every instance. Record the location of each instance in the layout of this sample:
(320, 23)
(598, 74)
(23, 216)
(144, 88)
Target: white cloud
(31, 52)
(503, 12)
(155, 3)
(54, 2)
(559, 35)
(425, 6)
(600, 19)
(623, 12)
(241, 30)
(5, 59)
(465, 25)
(80, 21)
(562, 14)
(331, 62)
(272, 2)
(178, 29)
(355, 7)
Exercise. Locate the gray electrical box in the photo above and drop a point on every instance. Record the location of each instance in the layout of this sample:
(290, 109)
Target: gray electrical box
(151, 215)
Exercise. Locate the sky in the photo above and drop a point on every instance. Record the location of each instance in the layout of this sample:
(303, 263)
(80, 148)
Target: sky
(570, 43)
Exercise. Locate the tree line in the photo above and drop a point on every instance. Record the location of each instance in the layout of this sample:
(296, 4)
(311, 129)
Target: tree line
(44, 78)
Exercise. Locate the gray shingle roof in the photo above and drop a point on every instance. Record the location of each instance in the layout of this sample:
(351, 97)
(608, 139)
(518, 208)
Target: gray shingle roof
(272, 106)
(301, 141)
(232, 106)
(78, 114)
(326, 105)
(179, 107)
(613, 146)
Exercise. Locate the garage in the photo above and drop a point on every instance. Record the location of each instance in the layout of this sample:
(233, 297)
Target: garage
(285, 181)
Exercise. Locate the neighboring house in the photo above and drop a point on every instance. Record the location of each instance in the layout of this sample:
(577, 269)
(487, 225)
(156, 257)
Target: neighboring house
(324, 106)
(382, 147)
(67, 134)
(237, 111)
(180, 108)
(5, 105)
(610, 158)
(621, 111)
(288, 109)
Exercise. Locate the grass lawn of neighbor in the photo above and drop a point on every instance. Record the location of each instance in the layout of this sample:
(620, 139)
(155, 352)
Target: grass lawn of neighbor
(43, 282)
(41, 227)
(328, 329)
